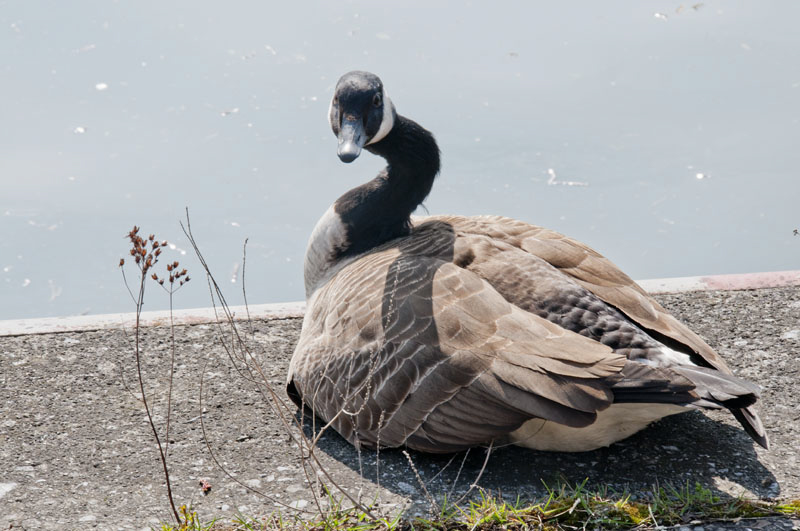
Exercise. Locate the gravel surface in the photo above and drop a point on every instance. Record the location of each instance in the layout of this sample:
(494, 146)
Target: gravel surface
(76, 451)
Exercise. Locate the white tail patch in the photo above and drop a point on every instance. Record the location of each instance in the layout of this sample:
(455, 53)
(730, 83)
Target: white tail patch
(613, 424)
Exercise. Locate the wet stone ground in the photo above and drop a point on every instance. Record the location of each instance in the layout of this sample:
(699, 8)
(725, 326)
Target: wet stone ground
(76, 451)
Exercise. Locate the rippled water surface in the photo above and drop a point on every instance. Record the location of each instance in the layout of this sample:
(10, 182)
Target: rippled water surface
(663, 134)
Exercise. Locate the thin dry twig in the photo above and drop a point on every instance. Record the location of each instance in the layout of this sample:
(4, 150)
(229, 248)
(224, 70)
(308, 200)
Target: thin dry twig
(479, 476)
(250, 367)
(430, 498)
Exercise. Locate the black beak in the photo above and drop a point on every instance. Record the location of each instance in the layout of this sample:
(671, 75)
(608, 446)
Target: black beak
(351, 139)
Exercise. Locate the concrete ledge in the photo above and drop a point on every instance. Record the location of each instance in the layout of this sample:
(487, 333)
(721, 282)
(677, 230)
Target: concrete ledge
(285, 310)
(85, 323)
(773, 279)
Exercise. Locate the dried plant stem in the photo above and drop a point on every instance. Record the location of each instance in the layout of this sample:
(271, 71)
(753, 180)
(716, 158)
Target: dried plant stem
(145, 253)
(171, 375)
(249, 368)
(431, 500)
(162, 454)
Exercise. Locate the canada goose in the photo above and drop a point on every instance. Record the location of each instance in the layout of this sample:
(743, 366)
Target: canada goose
(446, 332)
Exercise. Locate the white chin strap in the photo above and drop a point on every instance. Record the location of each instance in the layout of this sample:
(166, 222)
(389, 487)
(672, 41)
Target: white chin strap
(386, 123)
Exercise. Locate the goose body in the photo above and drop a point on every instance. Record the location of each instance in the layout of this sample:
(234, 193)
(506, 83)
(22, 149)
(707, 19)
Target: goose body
(446, 332)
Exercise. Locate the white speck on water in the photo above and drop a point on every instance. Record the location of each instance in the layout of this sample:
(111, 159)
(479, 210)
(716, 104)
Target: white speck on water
(71, 178)
(791, 334)
(235, 224)
(700, 176)
(79, 130)
(235, 273)
(746, 47)
(6, 269)
(26, 283)
(228, 112)
(5, 488)
(553, 181)
(660, 16)
(270, 49)
(101, 86)
(382, 36)
(174, 247)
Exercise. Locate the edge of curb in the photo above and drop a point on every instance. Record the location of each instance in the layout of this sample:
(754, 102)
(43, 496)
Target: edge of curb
(288, 310)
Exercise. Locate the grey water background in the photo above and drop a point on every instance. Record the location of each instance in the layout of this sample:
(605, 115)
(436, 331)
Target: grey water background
(663, 134)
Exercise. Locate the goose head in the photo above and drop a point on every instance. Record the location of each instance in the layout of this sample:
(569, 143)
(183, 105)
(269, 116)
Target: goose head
(360, 114)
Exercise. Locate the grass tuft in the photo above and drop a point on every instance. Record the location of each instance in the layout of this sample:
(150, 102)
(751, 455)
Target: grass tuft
(564, 507)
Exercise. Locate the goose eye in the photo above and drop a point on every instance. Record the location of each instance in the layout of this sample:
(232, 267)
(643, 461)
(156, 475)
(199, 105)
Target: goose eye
(376, 100)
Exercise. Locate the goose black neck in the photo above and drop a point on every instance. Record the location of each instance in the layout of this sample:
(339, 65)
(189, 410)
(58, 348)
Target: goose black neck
(380, 210)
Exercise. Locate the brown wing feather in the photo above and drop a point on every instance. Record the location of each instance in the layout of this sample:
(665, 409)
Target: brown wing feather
(401, 346)
(592, 271)
(601, 277)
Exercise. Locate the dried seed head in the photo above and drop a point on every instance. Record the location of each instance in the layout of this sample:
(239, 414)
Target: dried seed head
(154, 276)
(158, 252)
(169, 267)
(151, 237)
(121, 262)
(161, 281)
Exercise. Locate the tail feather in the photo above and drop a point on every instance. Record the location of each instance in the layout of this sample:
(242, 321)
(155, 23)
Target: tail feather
(694, 387)
(647, 384)
(751, 423)
(717, 387)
